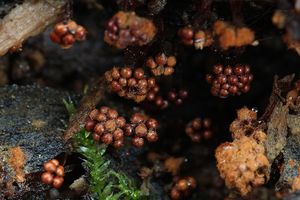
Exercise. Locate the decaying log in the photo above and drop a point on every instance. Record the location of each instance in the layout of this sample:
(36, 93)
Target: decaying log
(277, 131)
(32, 121)
(291, 152)
(283, 142)
(28, 19)
(277, 112)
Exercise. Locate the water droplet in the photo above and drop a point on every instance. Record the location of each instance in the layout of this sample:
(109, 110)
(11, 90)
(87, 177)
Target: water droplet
(254, 109)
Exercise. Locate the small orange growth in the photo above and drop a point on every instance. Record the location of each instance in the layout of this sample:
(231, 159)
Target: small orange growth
(244, 36)
(244, 124)
(291, 162)
(227, 38)
(173, 164)
(243, 163)
(17, 161)
(279, 19)
(296, 184)
(246, 114)
(219, 26)
(232, 36)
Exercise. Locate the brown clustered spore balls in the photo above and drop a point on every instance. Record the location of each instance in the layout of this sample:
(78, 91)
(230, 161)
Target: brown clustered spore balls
(183, 188)
(173, 96)
(53, 174)
(106, 126)
(232, 36)
(131, 84)
(161, 103)
(161, 64)
(243, 163)
(141, 128)
(177, 96)
(229, 80)
(199, 129)
(199, 39)
(126, 28)
(66, 33)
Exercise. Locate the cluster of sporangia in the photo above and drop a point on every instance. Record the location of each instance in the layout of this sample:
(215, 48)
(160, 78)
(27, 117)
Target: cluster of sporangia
(199, 129)
(110, 128)
(229, 80)
(174, 96)
(141, 128)
(177, 96)
(53, 174)
(161, 64)
(126, 28)
(199, 39)
(134, 84)
(243, 162)
(183, 187)
(131, 83)
(106, 125)
(228, 36)
(66, 33)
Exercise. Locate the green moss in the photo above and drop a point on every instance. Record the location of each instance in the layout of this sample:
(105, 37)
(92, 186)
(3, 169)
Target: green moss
(105, 183)
(69, 106)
